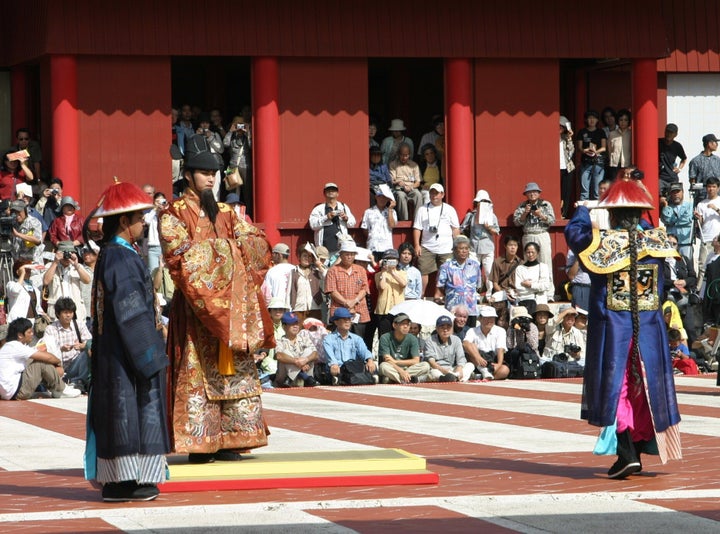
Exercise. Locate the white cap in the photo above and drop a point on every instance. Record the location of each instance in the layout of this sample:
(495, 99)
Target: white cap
(487, 311)
(437, 187)
(482, 195)
(348, 245)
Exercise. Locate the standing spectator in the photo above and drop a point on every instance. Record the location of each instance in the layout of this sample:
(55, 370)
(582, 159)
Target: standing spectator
(127, 411)
(307, 280)
(399, 354)
(706, 164)
(153, 238)
(609, 119)
(277, 279)
(216, 122)
(532, 279)
(379, 172)
(295, 354)
(67, 338)
(25, 142)
(406, 179)
(379, 221)
(49, 202)
(431, 171)
(13, 172)
(216, 325)
(347, 285)
(372, 132)
(567, 168)
(670, 151)
(486, 345)
(184, 127)
(579, 281)
(330, 219)
(628, 380)
(592, 143)
(413, 289)
(69, 225)
(342, 346)
(391, 144)
(431, 137)
(89, 255)
(237, 140)
(64, 278)
(24, 193)
(481, 224)
(619, 144)
(215, 142)
(23, 368)
(502, 276)
(677, 215)
(536, 216)
(459, 280)
(391, 282)
(444, 352)
(27, 234)
(436, 225)
(708, 215)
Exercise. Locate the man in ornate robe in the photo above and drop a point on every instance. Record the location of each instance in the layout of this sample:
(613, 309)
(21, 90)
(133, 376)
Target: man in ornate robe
(218, 318)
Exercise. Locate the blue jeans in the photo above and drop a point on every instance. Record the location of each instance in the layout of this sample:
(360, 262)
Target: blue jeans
(590, 177)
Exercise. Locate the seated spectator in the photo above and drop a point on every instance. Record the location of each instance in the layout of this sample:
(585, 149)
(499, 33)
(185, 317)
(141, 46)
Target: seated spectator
(522, 330)
(541, 318)
(581, 322)
(342, 346)
(459, 279)
(413, 289)
(306, 284)
(23, 368)
(295, 354)
(431, 171)
(444, 352)
(372, 132)
(64, 278)
(532, 280)
(406, 180)
(390, 146)
(485, 346)
(89, 255)
(680, 277)
(11, 172)
(416, 330)
(399, 353)
(682, 361)
(27, 234)
(68, 227)
(68, 339)
(566, 339)
(23, 298)
(277, 278)
(460, 326)
(390, 282)
(502, 276)
(379, 172)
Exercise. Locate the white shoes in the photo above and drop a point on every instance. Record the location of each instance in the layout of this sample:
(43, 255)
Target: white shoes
(68, 393)
(487, 375)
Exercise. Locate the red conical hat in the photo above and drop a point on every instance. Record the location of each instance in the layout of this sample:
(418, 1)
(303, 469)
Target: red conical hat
(626, 193)
(122, 197)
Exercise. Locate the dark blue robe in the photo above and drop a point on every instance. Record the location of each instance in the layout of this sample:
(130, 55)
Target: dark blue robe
(610, 331)
(127, 406)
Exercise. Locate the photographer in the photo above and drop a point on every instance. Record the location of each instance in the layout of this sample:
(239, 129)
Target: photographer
(677, 215)
(522, 330)
(151, 223)
(64, 278)
(49, 202)
(391, 283)
(26, 233)
(567, 342)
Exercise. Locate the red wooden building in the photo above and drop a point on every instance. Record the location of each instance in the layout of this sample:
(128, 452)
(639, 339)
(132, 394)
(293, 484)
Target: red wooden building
(95, 81)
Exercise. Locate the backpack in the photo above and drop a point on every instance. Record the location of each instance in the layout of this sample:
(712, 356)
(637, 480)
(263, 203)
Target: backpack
(353, 372)
(524, 364)
(562, 369)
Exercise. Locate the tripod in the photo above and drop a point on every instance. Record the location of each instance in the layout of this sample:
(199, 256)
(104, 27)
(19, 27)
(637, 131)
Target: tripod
(6, 275)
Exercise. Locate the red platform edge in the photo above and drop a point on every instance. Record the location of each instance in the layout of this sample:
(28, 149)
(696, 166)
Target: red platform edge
(300, 482)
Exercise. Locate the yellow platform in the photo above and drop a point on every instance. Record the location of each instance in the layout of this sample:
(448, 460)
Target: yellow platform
(377, 467)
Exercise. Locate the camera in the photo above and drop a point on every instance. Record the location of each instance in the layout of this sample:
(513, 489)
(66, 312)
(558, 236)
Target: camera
(7, 223)
(240, 126)
(521, 323)
(389, 263)
(55, 191)
(163, 202)
(533, 207)
(572, 347)
(67, 255)
(433, 229)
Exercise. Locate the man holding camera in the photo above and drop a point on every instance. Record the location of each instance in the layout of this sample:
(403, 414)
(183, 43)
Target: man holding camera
(64, 278)
(436, 225)
(677, 215)
(567, 342)
(26, 232)
(331, 219)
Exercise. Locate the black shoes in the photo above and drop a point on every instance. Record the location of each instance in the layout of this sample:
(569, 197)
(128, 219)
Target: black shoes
(449, 377)
(627, 462)
(223, 455)
(129, 491)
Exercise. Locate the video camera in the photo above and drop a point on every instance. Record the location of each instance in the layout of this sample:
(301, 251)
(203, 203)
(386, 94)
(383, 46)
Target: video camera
(521, 323)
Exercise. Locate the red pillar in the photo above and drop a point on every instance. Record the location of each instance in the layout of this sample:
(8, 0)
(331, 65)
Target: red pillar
(460, 133)
(65, 123)
(645, 122)
(18, 88)
(266, 145)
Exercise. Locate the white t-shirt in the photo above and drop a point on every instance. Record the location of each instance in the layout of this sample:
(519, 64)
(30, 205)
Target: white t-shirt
(14, 357)
(495, 339)
(379, 232)
(277, 283)
(710, 218)
(444, 218)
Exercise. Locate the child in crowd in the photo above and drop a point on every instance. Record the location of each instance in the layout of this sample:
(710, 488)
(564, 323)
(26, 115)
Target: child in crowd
(681, 360)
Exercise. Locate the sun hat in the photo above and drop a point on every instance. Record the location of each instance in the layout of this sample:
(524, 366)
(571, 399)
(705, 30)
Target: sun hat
(532, 186)
(397, 125)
